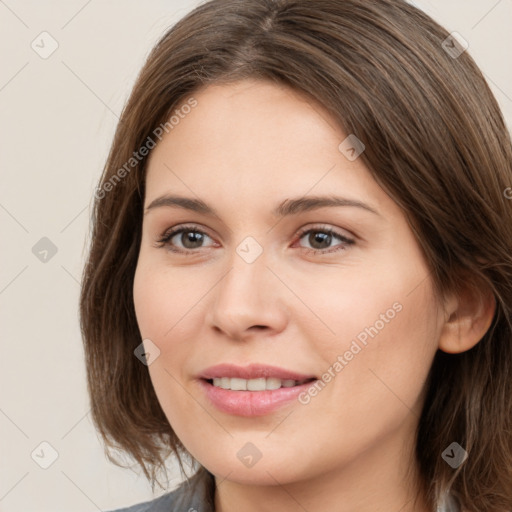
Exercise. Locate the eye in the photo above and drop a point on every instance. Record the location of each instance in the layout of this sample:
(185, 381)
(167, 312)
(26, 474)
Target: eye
(321, 239)
(189, 237)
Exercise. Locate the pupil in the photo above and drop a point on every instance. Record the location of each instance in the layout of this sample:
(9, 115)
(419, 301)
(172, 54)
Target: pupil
(320, 238)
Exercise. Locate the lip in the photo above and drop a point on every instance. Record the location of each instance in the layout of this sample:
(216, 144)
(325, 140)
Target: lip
(251, 403)
(252, 371)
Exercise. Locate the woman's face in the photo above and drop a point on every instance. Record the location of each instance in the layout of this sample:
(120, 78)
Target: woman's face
(271, 280)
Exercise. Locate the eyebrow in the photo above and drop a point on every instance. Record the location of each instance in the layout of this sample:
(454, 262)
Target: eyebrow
(286, 208)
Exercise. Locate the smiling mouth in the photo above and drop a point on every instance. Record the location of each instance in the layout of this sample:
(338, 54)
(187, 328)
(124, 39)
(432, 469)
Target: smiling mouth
(259, 384)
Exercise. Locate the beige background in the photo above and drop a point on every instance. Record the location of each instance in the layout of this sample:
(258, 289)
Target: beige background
(57, 119)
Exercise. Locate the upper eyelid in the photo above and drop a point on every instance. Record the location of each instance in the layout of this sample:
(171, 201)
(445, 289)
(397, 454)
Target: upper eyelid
(197, 227)
(186, 227)
(335, 231)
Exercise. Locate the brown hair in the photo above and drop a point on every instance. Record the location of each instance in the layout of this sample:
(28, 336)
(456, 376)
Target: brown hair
(436, 142)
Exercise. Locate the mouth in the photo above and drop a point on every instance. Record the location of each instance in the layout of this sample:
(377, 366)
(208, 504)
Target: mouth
(253, 390)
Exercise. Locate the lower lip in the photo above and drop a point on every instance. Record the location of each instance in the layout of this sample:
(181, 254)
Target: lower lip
(251, 403)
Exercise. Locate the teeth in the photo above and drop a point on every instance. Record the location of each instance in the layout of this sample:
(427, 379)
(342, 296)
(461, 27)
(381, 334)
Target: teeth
(262, 384)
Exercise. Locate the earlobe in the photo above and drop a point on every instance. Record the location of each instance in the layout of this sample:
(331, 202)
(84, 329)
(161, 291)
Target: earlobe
(468, 318)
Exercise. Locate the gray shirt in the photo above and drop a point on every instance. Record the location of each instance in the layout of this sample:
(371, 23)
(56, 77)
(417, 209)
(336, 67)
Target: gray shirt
(197, 495)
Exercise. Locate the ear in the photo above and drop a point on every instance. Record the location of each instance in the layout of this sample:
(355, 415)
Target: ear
(468, 316)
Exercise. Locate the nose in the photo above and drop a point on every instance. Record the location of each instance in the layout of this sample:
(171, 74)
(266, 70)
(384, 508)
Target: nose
(248, 299)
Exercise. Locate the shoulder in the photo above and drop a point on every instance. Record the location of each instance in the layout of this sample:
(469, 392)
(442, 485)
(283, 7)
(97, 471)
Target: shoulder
(193, 495)
(161, 503)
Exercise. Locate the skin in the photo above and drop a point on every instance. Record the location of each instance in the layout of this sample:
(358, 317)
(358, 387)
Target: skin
(244, 149)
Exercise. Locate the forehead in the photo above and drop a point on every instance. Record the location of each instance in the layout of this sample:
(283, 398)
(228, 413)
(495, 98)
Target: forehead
(252, 140)
(251, 114)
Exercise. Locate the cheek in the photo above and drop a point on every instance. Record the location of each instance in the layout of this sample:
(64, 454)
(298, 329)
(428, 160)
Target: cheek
(163, 298)
(373, 387)
(367, 303)
(381, 356)
(165, 301)
(376, 332)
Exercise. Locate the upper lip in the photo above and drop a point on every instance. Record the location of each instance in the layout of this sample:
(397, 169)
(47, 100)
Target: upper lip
(252, 371)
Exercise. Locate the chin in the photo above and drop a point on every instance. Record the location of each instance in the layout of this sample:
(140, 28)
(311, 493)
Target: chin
(270, 472)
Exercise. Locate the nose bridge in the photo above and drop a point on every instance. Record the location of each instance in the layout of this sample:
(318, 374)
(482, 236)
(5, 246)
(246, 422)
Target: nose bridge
(248, 294)
(244, 285)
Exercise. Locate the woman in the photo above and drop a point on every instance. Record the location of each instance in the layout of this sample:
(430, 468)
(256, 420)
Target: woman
(300, 269)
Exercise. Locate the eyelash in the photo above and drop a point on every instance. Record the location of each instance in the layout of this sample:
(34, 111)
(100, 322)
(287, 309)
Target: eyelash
(168, 235)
